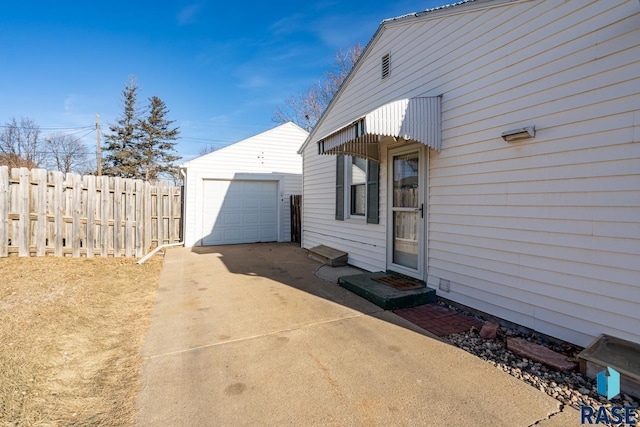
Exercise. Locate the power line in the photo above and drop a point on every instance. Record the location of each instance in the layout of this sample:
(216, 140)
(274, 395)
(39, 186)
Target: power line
(71, 133)
(88, 133)
(46, 127)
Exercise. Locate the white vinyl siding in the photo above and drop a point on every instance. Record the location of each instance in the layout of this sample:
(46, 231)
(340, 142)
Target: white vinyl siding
(269, 156)
(543, 232)
(365, 243)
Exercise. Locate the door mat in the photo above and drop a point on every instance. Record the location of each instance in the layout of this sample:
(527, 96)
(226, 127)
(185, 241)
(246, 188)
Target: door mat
(398, 282)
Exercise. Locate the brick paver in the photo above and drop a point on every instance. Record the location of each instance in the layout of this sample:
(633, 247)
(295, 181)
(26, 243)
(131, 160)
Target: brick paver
(439, 320)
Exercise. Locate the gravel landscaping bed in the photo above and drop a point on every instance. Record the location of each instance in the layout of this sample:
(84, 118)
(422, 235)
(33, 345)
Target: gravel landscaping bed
(569, 387)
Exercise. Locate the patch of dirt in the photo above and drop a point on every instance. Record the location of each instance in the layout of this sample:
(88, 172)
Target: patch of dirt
(71, 333)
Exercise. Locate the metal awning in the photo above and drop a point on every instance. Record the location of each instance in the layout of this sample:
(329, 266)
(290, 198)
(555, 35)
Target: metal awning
(416, 119)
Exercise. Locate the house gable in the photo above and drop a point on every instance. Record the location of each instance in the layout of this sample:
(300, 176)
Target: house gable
(274, 150)
(543, 232)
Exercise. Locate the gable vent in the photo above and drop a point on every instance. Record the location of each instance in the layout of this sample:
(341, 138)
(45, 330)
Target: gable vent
(386, 66)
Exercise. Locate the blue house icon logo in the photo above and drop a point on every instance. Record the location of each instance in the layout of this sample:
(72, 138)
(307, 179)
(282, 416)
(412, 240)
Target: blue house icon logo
(609, 383)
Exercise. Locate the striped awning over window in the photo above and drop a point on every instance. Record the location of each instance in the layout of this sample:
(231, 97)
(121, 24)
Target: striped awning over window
(416, 119)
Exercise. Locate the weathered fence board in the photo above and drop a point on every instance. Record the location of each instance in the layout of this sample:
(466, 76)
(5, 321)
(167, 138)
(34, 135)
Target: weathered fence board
(22, 227)
(51, 214)
(148, 234)
(139, 226)
(58, 211)
(40, 197)
(89, 183)
(106, 237)
(76, 212)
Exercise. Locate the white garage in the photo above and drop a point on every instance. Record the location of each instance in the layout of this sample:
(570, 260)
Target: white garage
(240, 193)
(239, 211)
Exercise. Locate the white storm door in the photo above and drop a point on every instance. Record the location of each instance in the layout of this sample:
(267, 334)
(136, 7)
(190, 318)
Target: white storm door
(405, 249)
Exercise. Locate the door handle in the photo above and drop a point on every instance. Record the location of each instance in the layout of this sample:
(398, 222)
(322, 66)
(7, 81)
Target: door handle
(421, 209)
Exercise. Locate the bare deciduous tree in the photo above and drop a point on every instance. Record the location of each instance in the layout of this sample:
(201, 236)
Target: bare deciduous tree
(20, 145)
(66, 153)
(344, 60)
(207, 149)
(305, 109)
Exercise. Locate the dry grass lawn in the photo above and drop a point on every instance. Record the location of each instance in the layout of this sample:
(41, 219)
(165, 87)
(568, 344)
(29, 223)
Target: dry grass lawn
(71, 332)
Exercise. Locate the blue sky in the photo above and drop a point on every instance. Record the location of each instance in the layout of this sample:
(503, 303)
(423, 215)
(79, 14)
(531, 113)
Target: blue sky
(221, 67)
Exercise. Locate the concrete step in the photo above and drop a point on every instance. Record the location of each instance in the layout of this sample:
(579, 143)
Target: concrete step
(328, 256)
(385, 296)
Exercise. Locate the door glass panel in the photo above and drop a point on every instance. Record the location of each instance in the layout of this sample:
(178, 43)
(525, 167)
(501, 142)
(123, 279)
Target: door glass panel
(405, 239)
(406, 217)
(405, 181)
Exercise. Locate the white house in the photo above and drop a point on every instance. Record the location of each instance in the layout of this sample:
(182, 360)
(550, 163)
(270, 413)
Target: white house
(240, 193)
(492, 149)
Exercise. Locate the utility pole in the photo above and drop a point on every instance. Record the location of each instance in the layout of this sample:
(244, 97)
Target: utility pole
(99, 152)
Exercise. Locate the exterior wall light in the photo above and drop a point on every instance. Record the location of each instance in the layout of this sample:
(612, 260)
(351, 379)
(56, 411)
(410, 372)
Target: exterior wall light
(518, 134)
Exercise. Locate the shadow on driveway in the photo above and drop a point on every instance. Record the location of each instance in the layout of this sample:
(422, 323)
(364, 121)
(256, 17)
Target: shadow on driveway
(288, 264)
(248, 335)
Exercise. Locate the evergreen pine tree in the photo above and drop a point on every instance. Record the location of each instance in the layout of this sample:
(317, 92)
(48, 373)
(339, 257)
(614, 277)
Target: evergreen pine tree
(157, 143)
(121, 154)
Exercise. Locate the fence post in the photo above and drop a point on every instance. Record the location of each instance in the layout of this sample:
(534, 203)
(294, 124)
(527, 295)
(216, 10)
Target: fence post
(4, 211)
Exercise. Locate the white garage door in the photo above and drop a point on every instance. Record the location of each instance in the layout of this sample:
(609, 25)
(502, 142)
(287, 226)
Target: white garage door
(239, 211)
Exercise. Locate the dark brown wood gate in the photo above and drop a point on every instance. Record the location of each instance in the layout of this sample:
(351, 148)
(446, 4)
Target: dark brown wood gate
(296, 218)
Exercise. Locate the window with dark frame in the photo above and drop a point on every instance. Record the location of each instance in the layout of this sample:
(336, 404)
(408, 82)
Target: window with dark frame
(358, 186)
(357, 189)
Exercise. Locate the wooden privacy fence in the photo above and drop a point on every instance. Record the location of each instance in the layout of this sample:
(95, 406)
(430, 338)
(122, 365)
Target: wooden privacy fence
(47, 213)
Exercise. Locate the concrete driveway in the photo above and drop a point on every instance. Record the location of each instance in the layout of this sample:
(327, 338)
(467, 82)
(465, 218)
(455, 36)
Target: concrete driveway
(247, 335)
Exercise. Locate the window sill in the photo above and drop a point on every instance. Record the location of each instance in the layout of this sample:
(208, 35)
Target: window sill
(356, 219)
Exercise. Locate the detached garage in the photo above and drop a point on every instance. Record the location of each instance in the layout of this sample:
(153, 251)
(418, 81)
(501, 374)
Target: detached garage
(240, 193)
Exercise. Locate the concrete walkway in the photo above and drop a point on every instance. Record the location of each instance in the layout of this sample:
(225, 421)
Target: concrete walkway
(247, 335)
